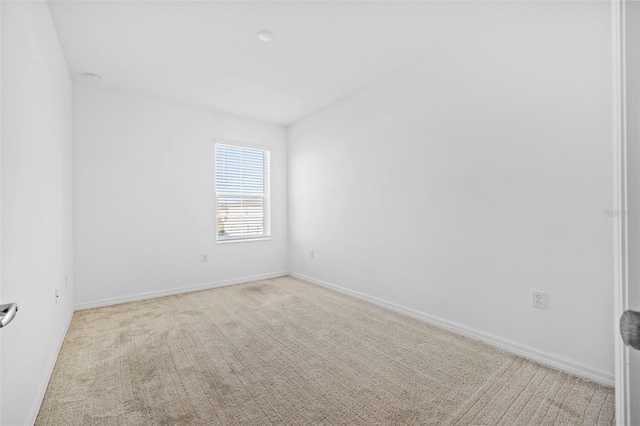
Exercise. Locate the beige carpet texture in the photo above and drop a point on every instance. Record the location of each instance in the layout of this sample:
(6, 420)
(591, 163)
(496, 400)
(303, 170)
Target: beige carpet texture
(286, 352)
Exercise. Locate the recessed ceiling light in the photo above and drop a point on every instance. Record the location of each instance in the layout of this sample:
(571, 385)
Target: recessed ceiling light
(265, 35)
(91, 77)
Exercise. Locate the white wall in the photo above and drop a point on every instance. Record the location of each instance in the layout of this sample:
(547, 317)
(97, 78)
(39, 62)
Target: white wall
(144, 198)
(457, 186)
(36, 204)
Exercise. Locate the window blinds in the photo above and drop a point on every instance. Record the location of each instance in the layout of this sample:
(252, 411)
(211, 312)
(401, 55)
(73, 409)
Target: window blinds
(242, 192)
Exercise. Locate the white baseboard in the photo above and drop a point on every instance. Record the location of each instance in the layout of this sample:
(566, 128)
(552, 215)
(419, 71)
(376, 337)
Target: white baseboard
(35, 408)
(524, 351)
(178, 290)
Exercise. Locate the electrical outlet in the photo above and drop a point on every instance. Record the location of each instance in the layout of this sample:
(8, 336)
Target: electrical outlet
(205, 258)
(311, 253)
(539, 299)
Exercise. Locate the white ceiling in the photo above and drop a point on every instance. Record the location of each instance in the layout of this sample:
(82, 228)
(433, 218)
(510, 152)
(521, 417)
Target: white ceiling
(207, 53)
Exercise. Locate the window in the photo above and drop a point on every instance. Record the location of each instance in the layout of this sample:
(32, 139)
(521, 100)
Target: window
(242, 193)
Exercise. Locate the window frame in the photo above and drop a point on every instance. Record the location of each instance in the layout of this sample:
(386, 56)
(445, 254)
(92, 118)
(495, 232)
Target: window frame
(266, 194)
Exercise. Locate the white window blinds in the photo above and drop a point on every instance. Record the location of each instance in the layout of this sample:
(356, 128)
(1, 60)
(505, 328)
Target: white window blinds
(242, 193)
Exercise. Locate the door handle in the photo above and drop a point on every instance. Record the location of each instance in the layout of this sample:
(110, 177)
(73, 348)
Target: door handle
(7, 313)
(630, 329)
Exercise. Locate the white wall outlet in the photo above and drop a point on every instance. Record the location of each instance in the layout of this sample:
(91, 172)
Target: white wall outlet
(311, 253)
(57, 296)
(205, 258)
(539, 299)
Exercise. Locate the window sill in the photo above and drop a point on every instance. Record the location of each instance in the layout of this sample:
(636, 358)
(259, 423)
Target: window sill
(242, 240)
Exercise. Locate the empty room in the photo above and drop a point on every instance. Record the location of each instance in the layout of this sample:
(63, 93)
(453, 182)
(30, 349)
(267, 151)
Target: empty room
(320, 212)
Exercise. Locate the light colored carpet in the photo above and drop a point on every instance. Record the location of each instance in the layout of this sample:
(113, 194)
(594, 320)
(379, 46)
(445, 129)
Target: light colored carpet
(286, 352)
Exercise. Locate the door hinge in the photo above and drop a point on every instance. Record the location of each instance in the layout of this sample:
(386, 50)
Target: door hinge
(630, 329)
